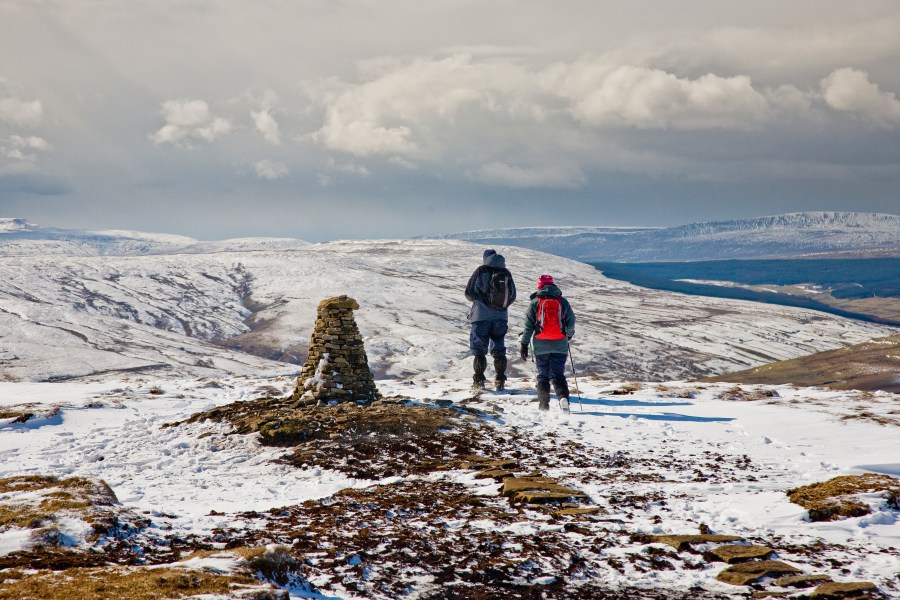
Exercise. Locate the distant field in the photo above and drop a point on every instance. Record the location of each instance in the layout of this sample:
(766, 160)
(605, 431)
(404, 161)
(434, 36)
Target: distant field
(861, 288)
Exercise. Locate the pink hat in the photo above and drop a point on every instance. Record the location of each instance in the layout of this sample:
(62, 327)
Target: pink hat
(544, 280)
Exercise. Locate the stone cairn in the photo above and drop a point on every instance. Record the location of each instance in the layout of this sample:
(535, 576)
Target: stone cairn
(337, 368)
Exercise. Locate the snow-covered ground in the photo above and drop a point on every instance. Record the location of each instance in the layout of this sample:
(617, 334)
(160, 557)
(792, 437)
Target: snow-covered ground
(185, 314)
(194, 483)
(104, 348)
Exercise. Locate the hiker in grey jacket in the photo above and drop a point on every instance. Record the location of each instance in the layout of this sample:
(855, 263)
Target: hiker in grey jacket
(549, 325)
(491, 290)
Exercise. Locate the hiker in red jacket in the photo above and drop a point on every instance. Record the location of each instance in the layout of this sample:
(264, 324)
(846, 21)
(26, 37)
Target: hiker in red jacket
(549, 325)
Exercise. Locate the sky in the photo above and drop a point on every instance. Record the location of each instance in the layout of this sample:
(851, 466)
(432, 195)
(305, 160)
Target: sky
(333, 119)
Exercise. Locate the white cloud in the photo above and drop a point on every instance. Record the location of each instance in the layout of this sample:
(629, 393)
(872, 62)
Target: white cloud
(428, 109)
(267, 126)
(350, 167)
(554, 177)
(21, 112)
(402, 162)
(850, 90)
(189, 119)
(412, 109)
(270, 169)
(24, 148)
(601, 95)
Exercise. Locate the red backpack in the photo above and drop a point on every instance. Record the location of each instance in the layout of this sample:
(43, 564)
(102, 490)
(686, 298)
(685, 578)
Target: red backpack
(549, 319)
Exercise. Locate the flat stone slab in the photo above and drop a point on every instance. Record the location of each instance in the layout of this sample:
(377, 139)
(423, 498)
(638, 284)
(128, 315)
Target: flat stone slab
(497, 474)
(801, 581)
(853, 589)
(577, 512)
(541, 496)
(681, 542)
(749, 572)
(479, 463)
(520, 485)
(735, 553)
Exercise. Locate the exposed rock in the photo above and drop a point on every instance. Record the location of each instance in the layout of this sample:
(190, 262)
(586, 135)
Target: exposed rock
(337, 368)
(537, 489)
(681, 542)
(750, 572)
(735, 553)
(801, 581)
(855, 589)
(833, 499)
(498, 474)
(478, 463)
(573, 511)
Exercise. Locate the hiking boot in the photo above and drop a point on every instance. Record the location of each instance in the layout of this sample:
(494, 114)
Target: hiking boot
(500, 385)
(561, 388)
(479, 364)
(543, 394)
(500, 368)
(564, 404)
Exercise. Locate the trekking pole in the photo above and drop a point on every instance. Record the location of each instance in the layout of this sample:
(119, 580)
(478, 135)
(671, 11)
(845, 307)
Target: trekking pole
(574, 376)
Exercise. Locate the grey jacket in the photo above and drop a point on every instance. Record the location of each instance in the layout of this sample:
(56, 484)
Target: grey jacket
(478, 285)
(548, 346)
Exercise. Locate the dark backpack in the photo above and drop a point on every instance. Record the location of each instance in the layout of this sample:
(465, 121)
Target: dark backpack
(549, 319)
(497, 294)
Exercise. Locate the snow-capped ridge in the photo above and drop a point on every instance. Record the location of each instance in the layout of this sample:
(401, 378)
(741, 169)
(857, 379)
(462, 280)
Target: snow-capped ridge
(791, 234)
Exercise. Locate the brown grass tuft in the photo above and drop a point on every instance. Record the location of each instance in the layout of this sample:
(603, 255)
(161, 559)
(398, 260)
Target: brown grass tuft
(127, 584)
(833, 499)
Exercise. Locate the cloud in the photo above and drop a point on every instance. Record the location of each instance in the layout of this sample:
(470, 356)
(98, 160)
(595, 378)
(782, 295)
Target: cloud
(654, 99)
(850, 90)
(270, 169)
(21, 112)
(350, 167)
(267, 126)
(409, 108)
(426, 109)
(24, 147)
(189, 120)
(554, 177)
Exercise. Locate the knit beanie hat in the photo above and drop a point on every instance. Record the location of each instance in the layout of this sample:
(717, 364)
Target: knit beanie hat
(488, 252)
(545, 280)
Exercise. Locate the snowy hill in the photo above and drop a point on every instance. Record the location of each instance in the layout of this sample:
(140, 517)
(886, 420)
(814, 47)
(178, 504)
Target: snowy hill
(21, 238)
(783, 235)
(187, 314)
(168, 459)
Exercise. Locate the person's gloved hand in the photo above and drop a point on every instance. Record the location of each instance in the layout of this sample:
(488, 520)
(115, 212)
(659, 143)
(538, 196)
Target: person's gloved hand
(524, 352)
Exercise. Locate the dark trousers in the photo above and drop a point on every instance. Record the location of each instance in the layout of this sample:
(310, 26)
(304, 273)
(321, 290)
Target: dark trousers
(486, 337)
(550, 367)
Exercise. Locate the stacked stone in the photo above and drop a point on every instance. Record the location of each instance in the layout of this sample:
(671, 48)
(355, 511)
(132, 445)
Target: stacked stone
(337, 368)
